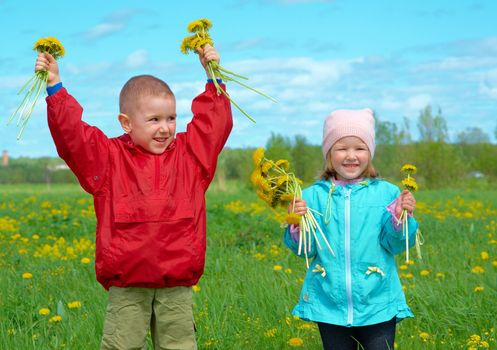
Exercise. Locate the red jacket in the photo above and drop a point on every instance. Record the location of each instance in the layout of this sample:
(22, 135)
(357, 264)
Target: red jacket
(150, 209)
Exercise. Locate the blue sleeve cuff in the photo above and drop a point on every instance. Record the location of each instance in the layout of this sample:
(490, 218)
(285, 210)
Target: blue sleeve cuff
(211, 81)
(54, 88)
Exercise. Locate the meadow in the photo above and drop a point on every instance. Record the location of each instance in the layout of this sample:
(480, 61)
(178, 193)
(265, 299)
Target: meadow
(50, 299)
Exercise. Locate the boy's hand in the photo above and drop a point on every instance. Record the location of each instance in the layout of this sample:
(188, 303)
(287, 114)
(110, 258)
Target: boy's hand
(405, 201)
(206, 54)
(299, 207)
(46, 62)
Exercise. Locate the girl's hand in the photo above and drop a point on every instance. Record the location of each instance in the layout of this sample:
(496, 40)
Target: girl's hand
(405, 201)
(298, 207)
(45, 62)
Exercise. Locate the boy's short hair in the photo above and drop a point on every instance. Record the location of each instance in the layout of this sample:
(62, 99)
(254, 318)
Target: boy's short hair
(141, 86)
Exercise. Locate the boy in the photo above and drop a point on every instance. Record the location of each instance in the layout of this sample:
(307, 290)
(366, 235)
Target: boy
(149, 195)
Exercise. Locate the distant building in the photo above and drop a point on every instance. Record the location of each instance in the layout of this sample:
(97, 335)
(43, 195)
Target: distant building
(5, 158)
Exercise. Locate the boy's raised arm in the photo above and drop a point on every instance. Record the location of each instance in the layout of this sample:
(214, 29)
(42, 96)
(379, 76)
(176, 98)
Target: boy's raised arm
(83, 147)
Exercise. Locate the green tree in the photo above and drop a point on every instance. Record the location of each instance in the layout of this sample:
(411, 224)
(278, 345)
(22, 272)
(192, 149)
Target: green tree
(279, 147)
(473, 135)
(307, 159)
(432, 128)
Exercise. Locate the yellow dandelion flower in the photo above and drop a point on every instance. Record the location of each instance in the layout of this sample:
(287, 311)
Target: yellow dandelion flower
(258, 155)
(56, 318)
(440, 275)
(484, 255)
(410, 184)
(186, 45)
(293, 219)
(287, 197)
(270, 333)
(403, 267)
(295, 342)
(494, 262)
(477, 269)
(35, 237)
(51, 45)
(277, 268)
(266, 166)
(74, 304)
(484, 344)
(283, 163)
(288, 270)
(85, 260)
(479, 289)
(424, 335)
(195, 26)
(207, 23)
(44, 311)
(196, 288)
(408, 169)
(424, 272)
(27, 275)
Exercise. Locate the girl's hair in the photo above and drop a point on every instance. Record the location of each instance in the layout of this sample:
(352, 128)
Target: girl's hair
(330, 173)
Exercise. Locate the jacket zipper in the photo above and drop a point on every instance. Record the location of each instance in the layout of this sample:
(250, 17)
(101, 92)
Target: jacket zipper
(348, 275)
(157, 174)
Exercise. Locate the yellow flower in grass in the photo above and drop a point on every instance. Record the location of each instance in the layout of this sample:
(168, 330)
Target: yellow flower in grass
(440, 275)
(408, 169)
(424, 335)
(293, 219)
(74, 304)
(477, 269)
(403, 267)
(54, 319)
(277, 268)
(484, 255)
(27, 275)
(85, 260)
(44, 311)
(295, 342)
(479, 289)
(196, 288)
(494, 262)
(424, 273)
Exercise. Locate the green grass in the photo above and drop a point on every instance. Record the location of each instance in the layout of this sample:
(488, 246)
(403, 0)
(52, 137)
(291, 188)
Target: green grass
(251, 280)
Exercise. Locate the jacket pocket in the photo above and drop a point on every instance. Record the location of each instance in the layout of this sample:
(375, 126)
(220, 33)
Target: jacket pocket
(154, 242)
(373, 283)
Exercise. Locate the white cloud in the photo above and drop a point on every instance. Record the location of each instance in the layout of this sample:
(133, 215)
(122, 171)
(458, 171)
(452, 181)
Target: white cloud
(103, 29)
(418, 102)
(136, 59)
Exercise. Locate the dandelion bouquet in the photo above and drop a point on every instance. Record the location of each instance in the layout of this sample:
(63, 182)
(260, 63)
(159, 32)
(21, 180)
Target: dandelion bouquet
(409, 184)
(277, 187)
(36, 84)
(201, 37)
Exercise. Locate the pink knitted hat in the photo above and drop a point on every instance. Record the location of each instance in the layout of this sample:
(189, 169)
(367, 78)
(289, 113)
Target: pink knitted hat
(341, 123)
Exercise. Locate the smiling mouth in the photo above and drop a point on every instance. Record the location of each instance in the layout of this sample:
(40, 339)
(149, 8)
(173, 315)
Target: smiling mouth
(160, 139)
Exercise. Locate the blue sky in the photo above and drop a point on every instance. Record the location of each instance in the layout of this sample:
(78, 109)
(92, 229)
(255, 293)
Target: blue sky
(313, 56)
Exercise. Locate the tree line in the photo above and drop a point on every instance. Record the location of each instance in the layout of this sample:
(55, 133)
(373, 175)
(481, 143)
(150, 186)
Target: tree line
(469, 160)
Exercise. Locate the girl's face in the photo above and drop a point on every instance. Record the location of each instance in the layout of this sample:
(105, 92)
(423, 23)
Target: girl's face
(349, 157)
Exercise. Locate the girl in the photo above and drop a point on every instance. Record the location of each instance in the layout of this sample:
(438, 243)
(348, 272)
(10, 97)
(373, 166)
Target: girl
(354, 296)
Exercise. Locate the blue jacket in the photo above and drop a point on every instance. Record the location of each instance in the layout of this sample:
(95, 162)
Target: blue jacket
(358, 286)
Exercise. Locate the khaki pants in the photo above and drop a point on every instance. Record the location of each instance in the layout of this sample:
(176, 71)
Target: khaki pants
(131, 312)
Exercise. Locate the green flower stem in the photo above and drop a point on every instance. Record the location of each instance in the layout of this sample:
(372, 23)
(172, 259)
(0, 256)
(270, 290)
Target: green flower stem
(222, 69)
(253, 89)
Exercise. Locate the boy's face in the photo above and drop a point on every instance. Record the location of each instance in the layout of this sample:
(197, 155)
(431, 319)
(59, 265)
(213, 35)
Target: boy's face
(152, 125)
(349, 157)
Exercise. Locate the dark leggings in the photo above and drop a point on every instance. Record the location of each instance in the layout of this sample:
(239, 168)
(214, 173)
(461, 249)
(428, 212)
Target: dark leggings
(378, 336)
